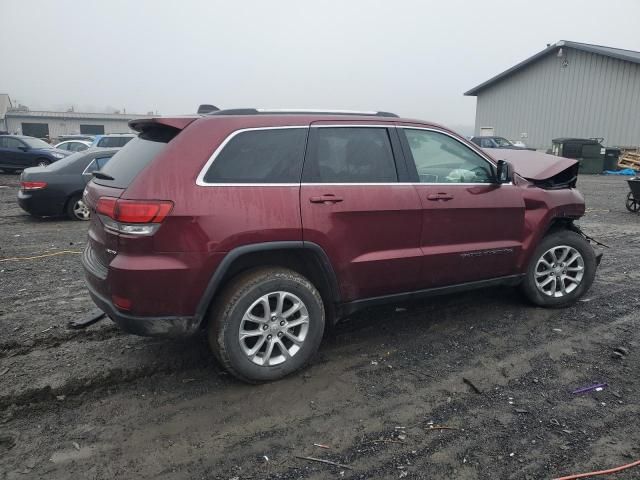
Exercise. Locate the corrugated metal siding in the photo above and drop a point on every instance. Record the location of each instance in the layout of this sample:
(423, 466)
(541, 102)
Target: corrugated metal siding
(594, 96)
(59, 127)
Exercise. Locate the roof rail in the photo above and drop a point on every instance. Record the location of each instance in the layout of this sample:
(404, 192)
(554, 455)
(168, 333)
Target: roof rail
(286, 111)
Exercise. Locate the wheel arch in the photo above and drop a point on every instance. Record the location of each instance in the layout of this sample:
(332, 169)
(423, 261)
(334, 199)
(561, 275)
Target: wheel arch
(69, 197)
(306, 258)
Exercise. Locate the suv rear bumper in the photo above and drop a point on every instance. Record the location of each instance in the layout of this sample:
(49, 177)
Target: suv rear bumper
(147, 326)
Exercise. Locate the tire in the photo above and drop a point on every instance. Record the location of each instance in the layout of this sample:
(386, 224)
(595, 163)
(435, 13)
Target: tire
(632, 204)
(76, 209)
(552, 294)
(249, 293)
(42, 162)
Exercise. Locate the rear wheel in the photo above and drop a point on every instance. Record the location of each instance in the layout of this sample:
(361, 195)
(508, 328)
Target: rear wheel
(77, 209)
(42, 162)
(267, 324)
(561, 270)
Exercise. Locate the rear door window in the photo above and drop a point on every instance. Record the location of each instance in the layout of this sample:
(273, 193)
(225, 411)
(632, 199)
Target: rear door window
(272, 155)
(350, 155)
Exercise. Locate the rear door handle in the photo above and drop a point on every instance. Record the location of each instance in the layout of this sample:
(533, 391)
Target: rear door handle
(439, 196)
(326, 198)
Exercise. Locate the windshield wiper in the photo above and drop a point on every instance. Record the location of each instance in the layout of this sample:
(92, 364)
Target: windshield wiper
(102, 176)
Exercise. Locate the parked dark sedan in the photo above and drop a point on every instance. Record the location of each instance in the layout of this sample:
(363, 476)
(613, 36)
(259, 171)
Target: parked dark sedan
(57, 189)
(19, 151)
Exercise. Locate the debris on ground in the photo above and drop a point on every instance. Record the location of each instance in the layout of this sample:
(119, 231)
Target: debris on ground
(598, 387)
(620, 352)
(471, 384)
(328, 462)
(320, 445)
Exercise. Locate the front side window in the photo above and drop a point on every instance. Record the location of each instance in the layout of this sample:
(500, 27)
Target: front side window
(440, 158)
(351, 155)
(272, 155)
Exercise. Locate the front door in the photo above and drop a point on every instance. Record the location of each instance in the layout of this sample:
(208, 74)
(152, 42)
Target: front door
(358, 206)
(472, 226)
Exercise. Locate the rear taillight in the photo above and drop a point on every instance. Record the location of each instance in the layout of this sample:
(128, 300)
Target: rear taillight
(32, 185)
(135, 217)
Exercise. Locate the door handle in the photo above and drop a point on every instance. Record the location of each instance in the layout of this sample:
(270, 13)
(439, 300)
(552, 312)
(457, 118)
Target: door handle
(439, 196)
(326, 198)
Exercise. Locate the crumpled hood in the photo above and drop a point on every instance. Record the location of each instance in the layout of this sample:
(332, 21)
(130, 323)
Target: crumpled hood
(532, 165)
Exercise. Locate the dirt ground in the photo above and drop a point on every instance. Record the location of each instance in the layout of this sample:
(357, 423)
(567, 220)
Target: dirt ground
(101, 404)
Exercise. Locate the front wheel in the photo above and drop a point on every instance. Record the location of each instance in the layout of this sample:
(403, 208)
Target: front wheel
(561, 270)
(267, 324)
(42, 162)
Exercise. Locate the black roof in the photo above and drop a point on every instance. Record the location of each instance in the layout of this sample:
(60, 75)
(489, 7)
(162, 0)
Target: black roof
(619, 53)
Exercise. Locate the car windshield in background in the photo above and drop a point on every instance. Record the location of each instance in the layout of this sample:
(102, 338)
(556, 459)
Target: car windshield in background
(113, 142)
(503, 142)
(129, 162)
(36, 143)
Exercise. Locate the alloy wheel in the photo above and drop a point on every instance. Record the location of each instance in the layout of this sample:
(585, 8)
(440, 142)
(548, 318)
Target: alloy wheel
(80, 210)
(274, 328)
(559, 271)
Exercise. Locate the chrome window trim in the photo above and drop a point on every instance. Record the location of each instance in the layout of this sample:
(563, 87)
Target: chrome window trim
(93, 160)
(200, 178)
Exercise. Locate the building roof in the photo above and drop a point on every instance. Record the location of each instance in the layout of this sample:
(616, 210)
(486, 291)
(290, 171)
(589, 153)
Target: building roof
(77, 115)
(619, 53)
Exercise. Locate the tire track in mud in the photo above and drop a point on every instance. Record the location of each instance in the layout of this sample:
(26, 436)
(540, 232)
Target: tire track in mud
(372, 452)
(13, 348)
(79, 366)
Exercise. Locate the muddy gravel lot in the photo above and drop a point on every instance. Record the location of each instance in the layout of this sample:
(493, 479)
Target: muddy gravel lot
(499, 373)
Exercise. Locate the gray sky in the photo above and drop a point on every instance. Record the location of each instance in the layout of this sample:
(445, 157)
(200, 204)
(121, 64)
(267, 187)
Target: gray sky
(415, 58)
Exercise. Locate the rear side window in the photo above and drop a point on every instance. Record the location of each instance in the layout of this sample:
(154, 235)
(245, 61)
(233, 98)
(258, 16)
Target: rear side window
(351, 155)
(260, 156)
(127, 163)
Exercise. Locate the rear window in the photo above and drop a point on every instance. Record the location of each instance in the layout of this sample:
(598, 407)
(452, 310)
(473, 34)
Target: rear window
(113, 142)
(260, 156)
(125, 165)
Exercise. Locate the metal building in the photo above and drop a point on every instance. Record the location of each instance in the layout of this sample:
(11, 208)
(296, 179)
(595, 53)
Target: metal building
(569, 89)
(53, 124)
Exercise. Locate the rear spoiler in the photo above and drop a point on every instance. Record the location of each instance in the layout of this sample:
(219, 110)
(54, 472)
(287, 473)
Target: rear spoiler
(179, 123)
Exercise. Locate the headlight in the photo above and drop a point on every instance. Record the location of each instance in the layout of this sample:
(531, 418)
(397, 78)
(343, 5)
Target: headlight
(57, 155)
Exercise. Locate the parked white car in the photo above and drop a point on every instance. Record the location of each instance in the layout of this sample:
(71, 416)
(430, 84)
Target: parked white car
(74, 145)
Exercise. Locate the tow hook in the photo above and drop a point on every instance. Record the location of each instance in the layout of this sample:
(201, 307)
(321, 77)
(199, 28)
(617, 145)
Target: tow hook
(96, 316)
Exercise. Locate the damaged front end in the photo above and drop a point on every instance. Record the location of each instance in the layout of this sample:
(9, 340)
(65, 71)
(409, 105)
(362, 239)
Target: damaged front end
(543, 170)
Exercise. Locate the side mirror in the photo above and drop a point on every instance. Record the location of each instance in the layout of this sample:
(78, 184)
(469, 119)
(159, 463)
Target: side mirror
(24, 148)
(503, 172)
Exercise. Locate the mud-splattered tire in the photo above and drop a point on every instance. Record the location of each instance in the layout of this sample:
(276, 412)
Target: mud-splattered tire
(267, 323)
(561, 270)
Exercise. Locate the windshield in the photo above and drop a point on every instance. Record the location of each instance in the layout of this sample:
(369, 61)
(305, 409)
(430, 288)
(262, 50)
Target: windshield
(503, 142)
(35, 142)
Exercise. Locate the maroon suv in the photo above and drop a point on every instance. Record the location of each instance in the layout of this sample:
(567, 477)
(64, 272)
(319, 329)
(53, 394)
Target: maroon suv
(264, 228)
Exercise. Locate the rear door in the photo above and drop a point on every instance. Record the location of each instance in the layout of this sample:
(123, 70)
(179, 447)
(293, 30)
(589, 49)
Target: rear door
(357, 204)
(472, 227)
